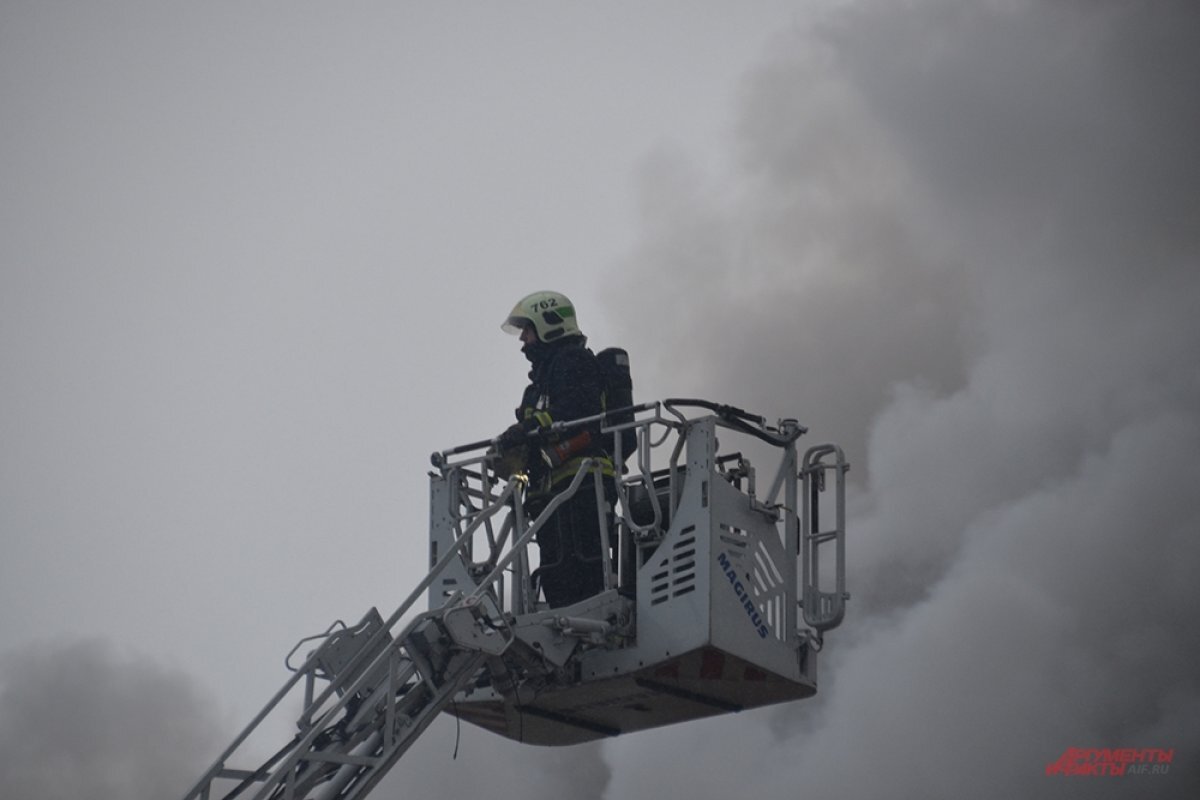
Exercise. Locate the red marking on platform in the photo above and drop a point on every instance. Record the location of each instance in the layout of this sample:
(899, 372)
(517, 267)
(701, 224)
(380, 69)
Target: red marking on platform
(712, 665)
(668, 670)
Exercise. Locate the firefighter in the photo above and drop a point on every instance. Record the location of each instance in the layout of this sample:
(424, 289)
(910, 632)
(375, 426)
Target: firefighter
(565, 383)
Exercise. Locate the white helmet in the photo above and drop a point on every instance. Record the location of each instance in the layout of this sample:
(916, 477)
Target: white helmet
(551, 314)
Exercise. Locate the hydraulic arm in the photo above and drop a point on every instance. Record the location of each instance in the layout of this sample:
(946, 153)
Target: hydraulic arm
(718, 590)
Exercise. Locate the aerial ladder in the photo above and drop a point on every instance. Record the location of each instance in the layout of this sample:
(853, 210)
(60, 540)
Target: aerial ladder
(719, 590)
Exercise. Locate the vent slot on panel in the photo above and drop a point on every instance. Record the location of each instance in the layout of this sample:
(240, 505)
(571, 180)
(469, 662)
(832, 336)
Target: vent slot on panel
(675, 571)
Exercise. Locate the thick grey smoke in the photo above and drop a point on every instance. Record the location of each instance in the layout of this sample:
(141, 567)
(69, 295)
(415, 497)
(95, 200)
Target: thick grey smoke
(963, 240)
(82, 720)
(960, 238)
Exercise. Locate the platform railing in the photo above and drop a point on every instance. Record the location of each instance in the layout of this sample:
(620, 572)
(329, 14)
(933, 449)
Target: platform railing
(824, 605)
(647, 488)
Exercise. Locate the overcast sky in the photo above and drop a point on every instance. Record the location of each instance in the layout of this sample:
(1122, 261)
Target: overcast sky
(253, 258)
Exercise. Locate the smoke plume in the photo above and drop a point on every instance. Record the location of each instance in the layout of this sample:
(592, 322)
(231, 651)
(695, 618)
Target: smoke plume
(82, 720)
(85, 720)
(963, 241)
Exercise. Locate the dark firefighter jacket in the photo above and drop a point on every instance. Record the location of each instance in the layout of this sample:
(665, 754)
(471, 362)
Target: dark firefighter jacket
(564, 384)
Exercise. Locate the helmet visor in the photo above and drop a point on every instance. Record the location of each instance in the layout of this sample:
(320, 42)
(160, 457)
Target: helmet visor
(515, 325)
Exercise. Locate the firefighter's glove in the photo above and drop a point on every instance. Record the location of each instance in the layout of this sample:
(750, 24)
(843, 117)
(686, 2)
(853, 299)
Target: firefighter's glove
(513, 436)
(506, 463)
(512, 452)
